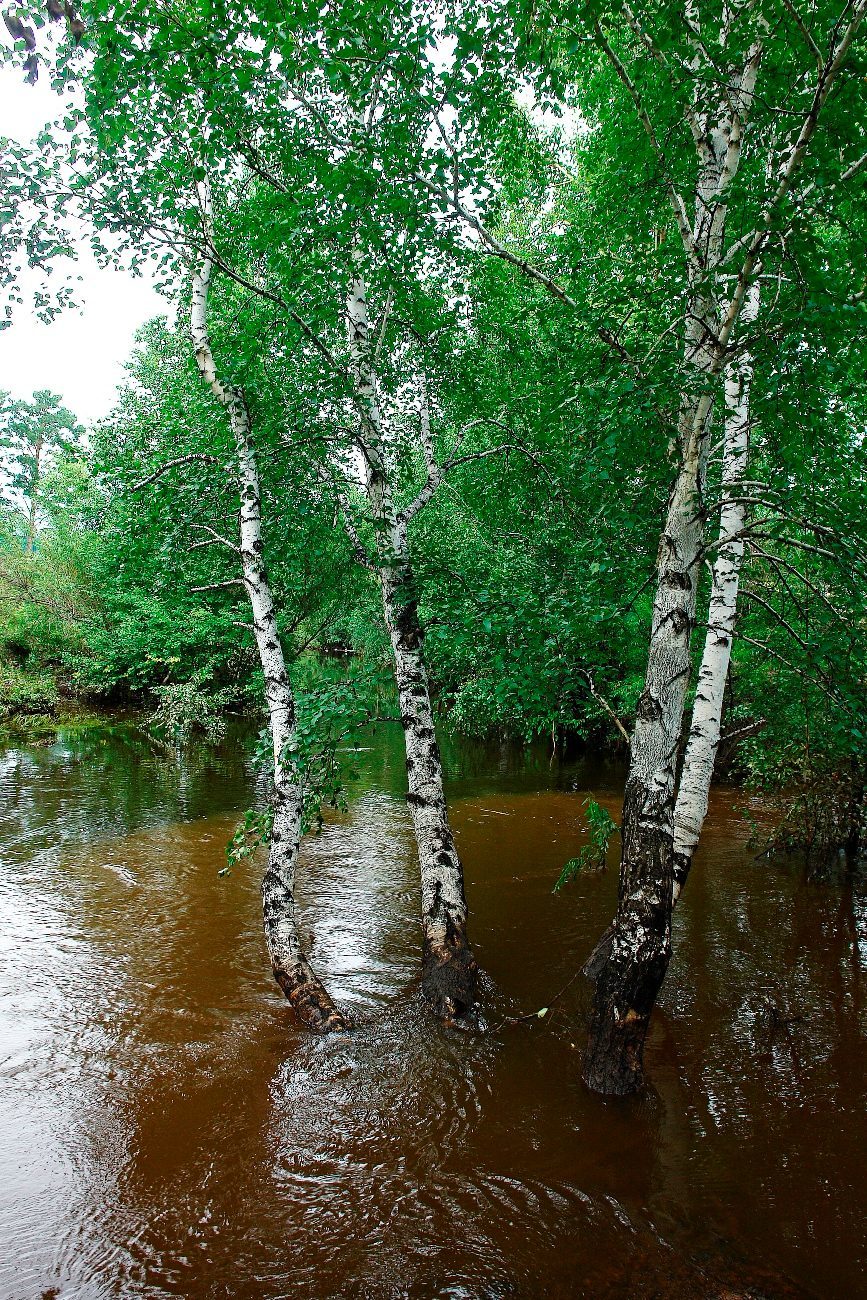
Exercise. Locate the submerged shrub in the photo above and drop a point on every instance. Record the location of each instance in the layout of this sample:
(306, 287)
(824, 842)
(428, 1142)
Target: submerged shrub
(819, 814)
(186, 710)
(603, 828)
(26, 694)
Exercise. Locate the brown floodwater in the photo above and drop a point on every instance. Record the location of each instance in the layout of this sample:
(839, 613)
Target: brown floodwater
(165, 1131)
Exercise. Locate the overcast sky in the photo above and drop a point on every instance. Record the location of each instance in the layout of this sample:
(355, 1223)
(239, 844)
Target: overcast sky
(80, 356)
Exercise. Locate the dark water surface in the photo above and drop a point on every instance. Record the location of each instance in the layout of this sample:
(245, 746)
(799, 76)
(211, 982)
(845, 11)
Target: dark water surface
(165, 1131)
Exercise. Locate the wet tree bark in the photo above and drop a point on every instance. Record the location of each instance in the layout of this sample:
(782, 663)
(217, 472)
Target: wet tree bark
(308, 996)
(449, 969)
(698, 766)
(704, 734)
(631, 971)
(630, 977)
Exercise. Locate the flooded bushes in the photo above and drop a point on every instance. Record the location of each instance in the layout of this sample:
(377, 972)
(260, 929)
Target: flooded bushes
(819, 815)
(25, 693)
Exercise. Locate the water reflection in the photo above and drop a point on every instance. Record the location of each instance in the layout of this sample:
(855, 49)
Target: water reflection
(166, 1132)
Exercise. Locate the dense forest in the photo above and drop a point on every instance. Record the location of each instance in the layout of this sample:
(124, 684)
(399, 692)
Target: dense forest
(511, 383)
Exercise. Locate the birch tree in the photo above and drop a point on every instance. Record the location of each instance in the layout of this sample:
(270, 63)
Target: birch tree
(449, 970)
(627, 986)
(705, 724)
(291, 967)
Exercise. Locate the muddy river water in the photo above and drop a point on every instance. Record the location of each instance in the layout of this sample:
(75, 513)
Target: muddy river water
(166, 1131)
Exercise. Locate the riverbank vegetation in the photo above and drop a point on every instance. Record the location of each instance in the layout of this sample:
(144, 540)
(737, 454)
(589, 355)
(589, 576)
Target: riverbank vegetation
(513, 363)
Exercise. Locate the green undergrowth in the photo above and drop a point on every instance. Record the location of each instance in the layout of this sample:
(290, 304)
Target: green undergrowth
(26, 694)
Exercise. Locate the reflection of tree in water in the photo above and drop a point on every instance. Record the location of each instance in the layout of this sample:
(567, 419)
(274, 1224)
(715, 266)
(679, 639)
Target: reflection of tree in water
(477, 767)
(767, 1058)
(110, 780)
(211, 1144)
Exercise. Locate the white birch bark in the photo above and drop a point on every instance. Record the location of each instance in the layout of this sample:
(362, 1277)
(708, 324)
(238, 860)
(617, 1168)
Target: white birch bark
(630, 961)
(699, 760)
(292, 970)
(449, 972)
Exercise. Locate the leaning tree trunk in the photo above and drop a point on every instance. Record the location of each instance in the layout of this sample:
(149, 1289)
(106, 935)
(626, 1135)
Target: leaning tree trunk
(627, 984)
(697, 772)
(704, 734)
(630, 973)
(292, 970)
(449, 970)
(630, 978)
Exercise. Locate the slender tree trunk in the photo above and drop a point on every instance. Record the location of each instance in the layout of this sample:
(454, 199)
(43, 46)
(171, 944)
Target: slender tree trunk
(631, 976)
(697, 772)
(701, 750)
(449, 970)
(630, 973)
(293, 972)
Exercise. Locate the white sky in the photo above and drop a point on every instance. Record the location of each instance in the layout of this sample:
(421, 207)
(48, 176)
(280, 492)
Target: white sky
(81, 354)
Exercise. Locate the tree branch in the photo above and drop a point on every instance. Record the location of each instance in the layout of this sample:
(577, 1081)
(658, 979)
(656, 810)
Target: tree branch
(218, 586)
(172, 464)
(603, 703)
(807, 35)
(438, 473)
(677, 204)
(213, 539)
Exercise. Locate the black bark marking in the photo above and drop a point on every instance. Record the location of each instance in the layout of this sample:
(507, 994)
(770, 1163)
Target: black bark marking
(680, 869)
(680, 621)
(648, 708)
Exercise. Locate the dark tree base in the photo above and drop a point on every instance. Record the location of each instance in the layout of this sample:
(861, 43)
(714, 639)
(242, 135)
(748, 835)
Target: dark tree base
(623, 1002)
(449, 976)
(629, 974)
(595, 963)
(311, 1003)
(612, 1062)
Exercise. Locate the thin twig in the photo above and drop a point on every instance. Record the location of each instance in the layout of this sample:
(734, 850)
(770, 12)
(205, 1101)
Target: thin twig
(600, 700)
(218, 586)
(534, 1015)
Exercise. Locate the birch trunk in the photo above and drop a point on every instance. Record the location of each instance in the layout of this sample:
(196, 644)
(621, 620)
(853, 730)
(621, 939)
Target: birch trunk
(634, 966)
(292, 970)
(697, 772)
(449, 970)
(704, 734)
